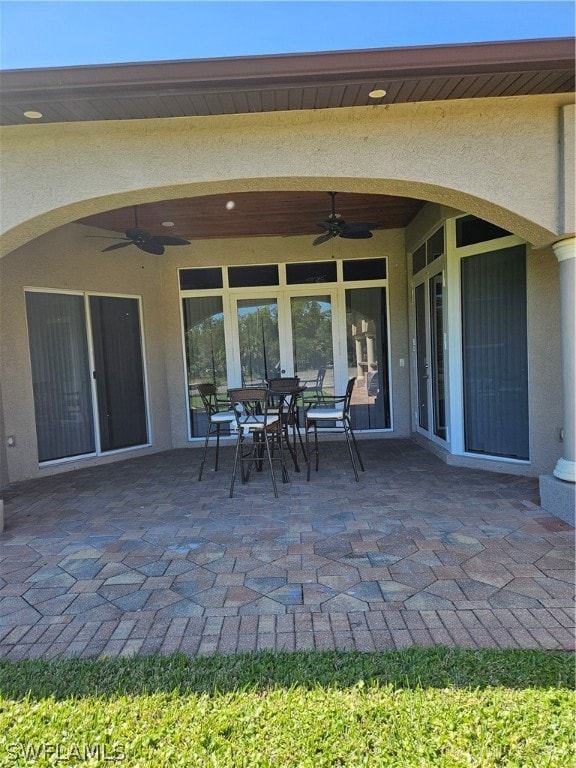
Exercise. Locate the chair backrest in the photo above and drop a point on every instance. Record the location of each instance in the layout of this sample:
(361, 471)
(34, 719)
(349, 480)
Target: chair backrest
(249, 403)
(208, 394)
(320, 377)
(284, 384)
(348, 394)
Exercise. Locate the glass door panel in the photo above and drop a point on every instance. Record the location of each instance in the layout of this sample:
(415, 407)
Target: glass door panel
(119, 372)
(422, 368)
(312, 343)
(367, 350)
(60, 375)
(259, 341)
(205, 350)
(437, 355)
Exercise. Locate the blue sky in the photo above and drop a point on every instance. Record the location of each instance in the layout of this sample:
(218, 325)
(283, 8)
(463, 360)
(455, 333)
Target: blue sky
(74, 32)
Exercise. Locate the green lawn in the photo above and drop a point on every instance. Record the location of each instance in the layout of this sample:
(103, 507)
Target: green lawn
(418, 707)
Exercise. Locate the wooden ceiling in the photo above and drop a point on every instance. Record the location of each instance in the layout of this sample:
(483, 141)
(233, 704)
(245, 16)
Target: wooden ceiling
(257, 214)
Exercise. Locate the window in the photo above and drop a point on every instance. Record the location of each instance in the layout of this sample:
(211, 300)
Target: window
(311, 272)
(364, 269)
(205, 350)
(200, 279)
(243, 277)
(471, 230)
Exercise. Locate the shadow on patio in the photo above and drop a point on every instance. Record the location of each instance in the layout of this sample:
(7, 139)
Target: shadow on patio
(137, 556)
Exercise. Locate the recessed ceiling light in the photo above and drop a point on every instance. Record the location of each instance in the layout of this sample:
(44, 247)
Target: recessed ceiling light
(377, 93)
(33, 115)
(167, 223)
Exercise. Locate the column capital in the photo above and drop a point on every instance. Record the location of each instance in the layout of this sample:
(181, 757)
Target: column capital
(565, 249)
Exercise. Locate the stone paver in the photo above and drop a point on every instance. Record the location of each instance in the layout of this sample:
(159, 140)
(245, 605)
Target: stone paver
(138, 557)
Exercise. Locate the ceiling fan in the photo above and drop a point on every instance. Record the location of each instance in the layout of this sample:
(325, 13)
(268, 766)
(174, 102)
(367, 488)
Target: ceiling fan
(335, 226)
(144, 240)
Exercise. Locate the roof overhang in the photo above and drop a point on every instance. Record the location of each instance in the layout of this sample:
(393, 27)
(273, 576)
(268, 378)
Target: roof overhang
(255, 84)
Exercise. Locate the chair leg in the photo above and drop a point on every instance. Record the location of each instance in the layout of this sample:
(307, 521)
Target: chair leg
(348, 443)
(267, 444)
(291, 448)
(356, 447)
(238, 449)
(307, 451)
(204, 454)
(285, 475)
(310, 451)
(217, 447)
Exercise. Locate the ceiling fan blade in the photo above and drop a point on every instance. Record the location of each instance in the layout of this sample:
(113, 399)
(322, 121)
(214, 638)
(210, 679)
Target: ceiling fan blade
(360, 226)
(168, 240)
(151, 247)
(116, 246)
(324, 238)
(362, 235)
(107, 237)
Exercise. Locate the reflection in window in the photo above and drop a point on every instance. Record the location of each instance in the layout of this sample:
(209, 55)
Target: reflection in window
(259, 340)
(367, 345)
(312, 344)
(205, 352)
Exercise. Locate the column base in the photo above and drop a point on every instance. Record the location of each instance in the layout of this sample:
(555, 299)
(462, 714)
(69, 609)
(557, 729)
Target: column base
(558, 498)
(565, 470)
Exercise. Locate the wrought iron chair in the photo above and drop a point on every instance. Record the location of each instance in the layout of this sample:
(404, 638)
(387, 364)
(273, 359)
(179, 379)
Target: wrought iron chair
(218, 414)
(264, 430)
(333, 409)
(315, 387)
(286, 391)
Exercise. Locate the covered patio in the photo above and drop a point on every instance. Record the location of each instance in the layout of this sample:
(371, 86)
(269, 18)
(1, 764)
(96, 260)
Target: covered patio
(137, 556)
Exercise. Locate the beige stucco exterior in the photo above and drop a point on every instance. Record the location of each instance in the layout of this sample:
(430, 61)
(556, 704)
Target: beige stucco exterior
(508, 160)
(497, 158)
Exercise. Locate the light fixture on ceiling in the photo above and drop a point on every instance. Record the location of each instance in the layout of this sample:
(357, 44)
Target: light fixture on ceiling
(167, 223)
(32, 114)
(377, 93)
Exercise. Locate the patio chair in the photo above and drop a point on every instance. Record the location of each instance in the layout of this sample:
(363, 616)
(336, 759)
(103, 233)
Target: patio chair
(263, 431)
(218, 414)
(332, 410)
(315, 386)
(286, 391)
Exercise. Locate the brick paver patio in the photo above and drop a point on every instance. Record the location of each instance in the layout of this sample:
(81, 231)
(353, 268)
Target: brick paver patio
(138, 557)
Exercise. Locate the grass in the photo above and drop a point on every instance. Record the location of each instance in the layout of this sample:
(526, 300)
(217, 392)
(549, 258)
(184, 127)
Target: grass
(418, 707)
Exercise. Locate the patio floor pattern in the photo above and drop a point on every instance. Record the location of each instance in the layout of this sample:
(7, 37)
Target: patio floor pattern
(139, 557)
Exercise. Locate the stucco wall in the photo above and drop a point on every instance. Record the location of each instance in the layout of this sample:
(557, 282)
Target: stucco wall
(544, 360)
(485, 156)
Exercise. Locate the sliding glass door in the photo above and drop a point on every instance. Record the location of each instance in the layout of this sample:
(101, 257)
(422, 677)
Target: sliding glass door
(87, 373)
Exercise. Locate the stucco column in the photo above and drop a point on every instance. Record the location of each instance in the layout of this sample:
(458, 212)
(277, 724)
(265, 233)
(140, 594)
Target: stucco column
(565, 251)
